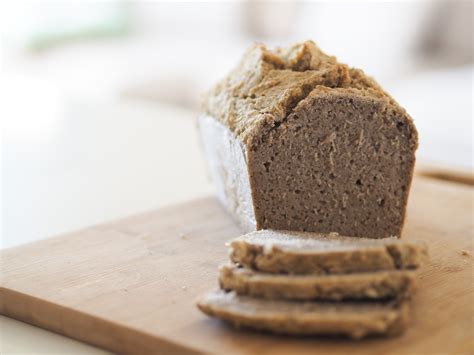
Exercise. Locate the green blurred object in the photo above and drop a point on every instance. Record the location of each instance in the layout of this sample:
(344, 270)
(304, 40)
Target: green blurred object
(59, 23)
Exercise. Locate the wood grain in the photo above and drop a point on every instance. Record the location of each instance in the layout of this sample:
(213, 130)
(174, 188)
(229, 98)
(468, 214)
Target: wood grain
(444, 173)
(130, 285)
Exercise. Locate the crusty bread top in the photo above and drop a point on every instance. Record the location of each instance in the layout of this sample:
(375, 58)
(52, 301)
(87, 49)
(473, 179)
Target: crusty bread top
(266, 87)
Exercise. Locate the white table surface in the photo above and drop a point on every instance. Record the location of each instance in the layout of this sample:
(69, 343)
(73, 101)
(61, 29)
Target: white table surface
(68, 165)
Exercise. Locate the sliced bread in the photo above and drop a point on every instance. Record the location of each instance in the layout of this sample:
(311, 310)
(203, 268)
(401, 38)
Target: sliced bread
(352, 319)
(373, 285)
(315, 253)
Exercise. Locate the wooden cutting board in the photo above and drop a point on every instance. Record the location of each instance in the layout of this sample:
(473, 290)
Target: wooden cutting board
(130, 285)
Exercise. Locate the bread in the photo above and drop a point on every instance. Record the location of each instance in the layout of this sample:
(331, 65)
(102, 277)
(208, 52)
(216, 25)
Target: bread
(316, 253)
(355, 320)
(395, 284)
(297, 141)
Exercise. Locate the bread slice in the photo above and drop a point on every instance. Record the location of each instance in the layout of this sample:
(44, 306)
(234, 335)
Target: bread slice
(352, 319)
(373, 285)
(315, 253)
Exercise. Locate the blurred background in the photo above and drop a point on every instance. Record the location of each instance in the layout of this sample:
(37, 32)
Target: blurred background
(99, 98)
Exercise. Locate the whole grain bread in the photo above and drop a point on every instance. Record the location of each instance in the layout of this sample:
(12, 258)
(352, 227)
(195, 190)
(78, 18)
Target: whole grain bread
(316, 253)
(394, 284)
(352, 319)
(298, 141)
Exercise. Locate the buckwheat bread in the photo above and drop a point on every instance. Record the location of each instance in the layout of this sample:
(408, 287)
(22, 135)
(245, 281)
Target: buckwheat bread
(352, 319)
(316, 253)
(395, 284)
(298, 141)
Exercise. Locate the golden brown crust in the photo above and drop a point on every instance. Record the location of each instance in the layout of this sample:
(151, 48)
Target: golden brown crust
(266, 85)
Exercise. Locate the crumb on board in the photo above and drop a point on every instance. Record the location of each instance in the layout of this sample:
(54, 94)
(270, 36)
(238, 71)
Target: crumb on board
(185, 234)
(465, 252)
(183, 287)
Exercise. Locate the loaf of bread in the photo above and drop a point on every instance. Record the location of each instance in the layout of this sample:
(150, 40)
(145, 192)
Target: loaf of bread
(298, 141)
